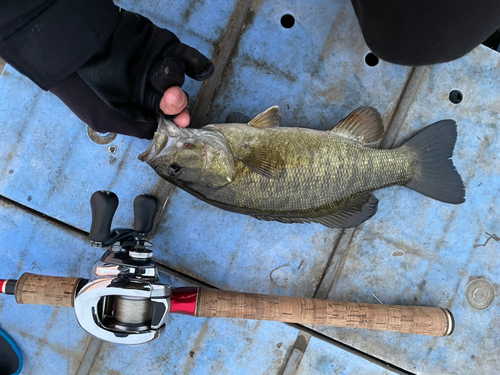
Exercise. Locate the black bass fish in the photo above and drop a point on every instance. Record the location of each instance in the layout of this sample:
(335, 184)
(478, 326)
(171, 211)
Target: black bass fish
(299, 175)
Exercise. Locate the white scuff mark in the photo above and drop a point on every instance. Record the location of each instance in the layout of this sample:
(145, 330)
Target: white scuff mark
(379, 301)
(273, 281)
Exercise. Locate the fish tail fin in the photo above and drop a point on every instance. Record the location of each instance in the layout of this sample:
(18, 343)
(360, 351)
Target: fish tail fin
(436, 176)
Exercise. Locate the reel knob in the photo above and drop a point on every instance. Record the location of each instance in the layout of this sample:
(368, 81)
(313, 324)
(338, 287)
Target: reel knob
(144, 213)
(103, 205)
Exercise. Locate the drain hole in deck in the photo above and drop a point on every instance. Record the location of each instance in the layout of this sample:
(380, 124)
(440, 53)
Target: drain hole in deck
(371, 59)
(287, 21)
(456, 96)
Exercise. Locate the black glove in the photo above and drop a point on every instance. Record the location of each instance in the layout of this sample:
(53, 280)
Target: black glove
(119, 89)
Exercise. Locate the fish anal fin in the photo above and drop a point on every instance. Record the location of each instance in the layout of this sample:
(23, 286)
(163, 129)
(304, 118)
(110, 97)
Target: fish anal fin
(269, 119)
(363, 125)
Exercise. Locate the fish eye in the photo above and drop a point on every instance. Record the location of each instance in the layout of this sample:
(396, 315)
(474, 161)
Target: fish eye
(187, 145)
(174, 169)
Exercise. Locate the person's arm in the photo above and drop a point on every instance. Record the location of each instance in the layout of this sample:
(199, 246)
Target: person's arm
(48, 40)
(114, 69)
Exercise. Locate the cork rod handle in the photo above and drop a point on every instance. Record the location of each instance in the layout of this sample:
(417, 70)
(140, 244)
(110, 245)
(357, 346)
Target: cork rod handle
(46, 290)
(431, 321)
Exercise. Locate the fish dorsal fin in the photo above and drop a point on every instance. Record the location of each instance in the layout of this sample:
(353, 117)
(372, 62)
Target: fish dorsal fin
(263, 161)
(363, 125)
(237, 118)
(269, 119)
(363, 208)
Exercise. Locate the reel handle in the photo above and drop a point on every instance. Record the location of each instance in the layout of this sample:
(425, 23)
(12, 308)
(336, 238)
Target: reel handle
(144, 212)
(103, 205)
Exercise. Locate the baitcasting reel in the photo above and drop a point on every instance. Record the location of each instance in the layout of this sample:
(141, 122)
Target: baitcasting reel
(127, 300)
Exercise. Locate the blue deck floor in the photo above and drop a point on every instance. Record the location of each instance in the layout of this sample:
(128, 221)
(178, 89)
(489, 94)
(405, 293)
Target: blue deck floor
(415, 251)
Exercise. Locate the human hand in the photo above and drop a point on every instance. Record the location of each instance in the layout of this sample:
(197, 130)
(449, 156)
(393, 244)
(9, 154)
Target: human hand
(134, 78)
(174, 102)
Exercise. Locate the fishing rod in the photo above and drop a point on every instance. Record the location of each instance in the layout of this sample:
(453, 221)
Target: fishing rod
(127, 300)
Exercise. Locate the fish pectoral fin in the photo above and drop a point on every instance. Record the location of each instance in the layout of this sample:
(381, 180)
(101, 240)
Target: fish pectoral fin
(261, 160)
(363, 125)
(353, 215)
(269, 119)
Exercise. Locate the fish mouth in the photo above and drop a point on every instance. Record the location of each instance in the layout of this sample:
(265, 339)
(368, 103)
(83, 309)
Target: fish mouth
(160, 140)
(165, 134)
(145, 154)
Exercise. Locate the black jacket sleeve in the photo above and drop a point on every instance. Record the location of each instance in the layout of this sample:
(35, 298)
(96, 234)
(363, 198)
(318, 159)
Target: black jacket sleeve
(47, 40)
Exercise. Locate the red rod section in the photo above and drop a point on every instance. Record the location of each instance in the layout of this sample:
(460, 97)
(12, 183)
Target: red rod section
(183, 301)
(7, 286)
